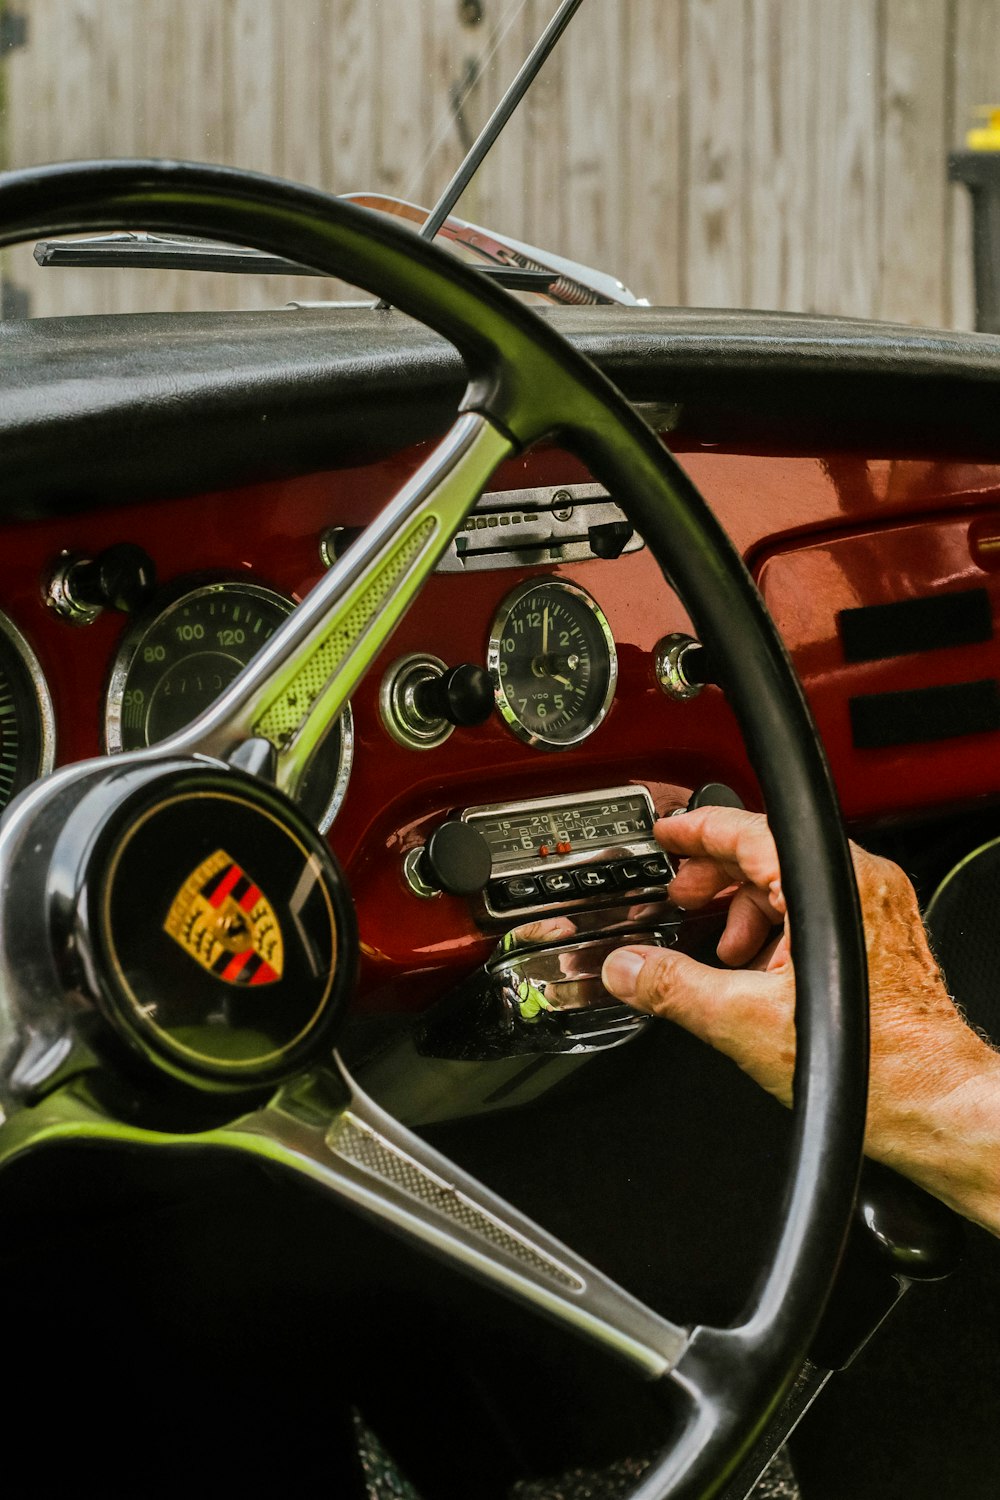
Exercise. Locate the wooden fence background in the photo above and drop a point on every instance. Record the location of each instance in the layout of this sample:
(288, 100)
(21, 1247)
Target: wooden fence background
(763, 153)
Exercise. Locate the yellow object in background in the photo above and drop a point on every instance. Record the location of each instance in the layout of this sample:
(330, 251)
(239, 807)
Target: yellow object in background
(985, 137)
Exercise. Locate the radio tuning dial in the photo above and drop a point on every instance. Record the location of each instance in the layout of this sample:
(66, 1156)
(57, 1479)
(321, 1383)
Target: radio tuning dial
(455, 859)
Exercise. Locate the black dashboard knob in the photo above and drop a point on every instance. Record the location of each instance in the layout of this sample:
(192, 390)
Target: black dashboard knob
(697, 668)
(610, 539)
(463, 695)
(122, 577)
(714, 794)
(456, 859)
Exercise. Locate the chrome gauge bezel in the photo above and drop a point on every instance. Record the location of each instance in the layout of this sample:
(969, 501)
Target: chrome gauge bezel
(42, 700)
(174, 597)
(506, 710)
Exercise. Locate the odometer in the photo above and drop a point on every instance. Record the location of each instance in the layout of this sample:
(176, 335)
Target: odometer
(176, 661)
(553, 659)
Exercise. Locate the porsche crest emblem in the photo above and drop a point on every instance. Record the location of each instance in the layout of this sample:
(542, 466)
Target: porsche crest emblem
(226, 923)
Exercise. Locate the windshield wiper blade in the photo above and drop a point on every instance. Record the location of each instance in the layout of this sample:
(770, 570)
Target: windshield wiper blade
(159, 252)
(572, 282)
(516, 266)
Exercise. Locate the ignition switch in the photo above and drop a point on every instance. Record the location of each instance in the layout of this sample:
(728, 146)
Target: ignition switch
(422, 700)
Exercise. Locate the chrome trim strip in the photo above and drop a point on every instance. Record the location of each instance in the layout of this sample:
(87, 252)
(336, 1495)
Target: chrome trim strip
(526, 527)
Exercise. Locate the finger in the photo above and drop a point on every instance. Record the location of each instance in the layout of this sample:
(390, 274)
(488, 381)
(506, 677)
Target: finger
(781, 955)
(774, 957)
(750, 924)
(738, 839)
(699, 881)
(745, 1014)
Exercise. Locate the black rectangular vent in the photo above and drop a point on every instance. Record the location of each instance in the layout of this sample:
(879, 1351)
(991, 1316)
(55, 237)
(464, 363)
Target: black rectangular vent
(877, 631)
(879, 720)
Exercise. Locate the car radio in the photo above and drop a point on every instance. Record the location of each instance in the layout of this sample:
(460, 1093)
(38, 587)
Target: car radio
(547, 854)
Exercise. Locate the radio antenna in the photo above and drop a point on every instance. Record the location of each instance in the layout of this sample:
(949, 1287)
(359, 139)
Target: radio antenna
(484, 141)
(498, 119)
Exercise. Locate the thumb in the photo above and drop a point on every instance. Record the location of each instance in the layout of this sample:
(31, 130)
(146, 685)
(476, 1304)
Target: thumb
(747, 1014)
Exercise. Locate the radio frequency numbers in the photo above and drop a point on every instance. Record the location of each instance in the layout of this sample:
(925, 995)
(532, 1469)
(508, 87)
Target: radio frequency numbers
(599, 823)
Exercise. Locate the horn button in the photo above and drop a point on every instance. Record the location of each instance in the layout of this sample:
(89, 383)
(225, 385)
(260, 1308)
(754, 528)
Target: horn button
(216, 930)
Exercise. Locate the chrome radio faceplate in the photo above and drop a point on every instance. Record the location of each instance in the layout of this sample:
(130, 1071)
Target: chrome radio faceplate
(568, 852)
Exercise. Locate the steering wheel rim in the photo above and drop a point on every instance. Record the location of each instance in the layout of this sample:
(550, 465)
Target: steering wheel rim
(528, 383)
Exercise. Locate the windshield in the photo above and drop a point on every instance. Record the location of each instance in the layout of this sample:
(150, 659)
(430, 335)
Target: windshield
(712, 153)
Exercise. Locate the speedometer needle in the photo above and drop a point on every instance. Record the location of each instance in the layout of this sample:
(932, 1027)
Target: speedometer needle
(545, 631)
(564, 680)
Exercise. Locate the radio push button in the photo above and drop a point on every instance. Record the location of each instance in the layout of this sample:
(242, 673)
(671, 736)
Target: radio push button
(516, 891)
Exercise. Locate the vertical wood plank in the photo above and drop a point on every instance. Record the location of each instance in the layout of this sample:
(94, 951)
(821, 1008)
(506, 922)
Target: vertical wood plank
(352, 88)
(653, 185)
(194, 98)
(914, 230)
(781, 186)
(306, 97)
(404, 108)
(452, 75)
(498, 196)
(75, 128)
(715, 239)
(30, 84)
(845, 65)
(255, 45)
(177, 57)
(975, 81)
(591, 166)
(547, 205)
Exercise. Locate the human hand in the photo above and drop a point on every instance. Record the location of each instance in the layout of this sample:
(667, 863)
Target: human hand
(934, 1097)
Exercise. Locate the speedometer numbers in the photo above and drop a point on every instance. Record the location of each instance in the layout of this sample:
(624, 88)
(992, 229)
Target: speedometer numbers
(174, 664)
(553, 659)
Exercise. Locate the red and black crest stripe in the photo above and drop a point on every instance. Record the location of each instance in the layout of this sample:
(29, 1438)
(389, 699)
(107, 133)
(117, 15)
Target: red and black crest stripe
(244, 968)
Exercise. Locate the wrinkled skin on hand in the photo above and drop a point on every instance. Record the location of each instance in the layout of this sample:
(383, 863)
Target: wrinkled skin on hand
(934, 1094)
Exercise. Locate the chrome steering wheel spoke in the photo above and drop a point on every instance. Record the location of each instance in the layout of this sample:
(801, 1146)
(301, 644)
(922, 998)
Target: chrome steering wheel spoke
(298, 683)
(324, 1127)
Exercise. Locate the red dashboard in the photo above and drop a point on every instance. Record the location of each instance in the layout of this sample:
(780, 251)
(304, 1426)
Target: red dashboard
(823, 536)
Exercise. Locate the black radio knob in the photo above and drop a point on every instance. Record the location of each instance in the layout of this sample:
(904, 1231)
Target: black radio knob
(456, 859)
(714, 794)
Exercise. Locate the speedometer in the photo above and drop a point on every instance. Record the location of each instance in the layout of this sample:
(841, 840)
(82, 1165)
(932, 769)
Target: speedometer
(554, 664)
(176, 661)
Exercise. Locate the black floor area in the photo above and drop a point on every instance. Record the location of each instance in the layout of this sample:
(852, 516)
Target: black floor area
(152, 1311)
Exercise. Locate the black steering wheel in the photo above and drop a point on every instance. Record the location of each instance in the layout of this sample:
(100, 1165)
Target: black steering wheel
(110, 872)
